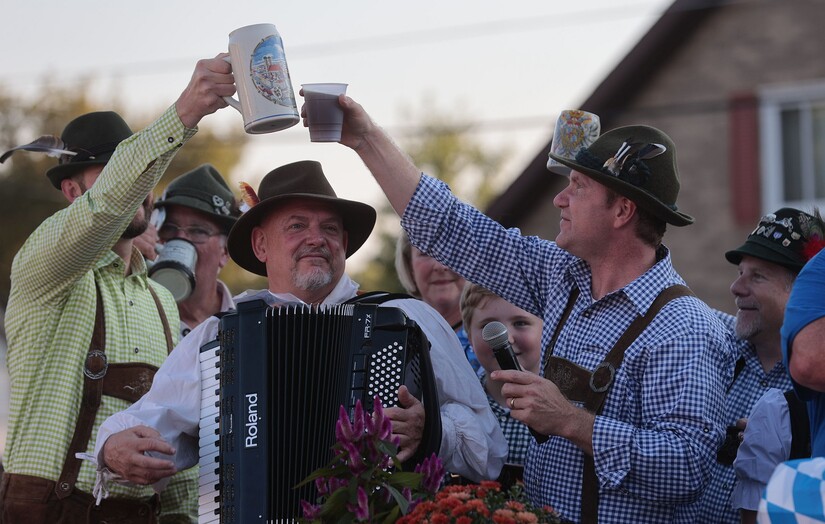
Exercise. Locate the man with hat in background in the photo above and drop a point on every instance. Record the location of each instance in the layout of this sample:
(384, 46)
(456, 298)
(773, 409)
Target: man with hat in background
(636, 441)
(299, 236)
(86, 327)
(768, 261)
(199, 207)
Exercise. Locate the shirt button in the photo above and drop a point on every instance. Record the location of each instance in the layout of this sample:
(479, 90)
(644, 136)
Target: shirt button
(131, 303)
(706, 430)
(170, 139)
(586, 314)
(764, 384)
(137, 351)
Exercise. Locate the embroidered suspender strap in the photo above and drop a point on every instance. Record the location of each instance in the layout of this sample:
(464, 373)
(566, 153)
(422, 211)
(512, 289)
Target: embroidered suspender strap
(602, 384)
(126, 381)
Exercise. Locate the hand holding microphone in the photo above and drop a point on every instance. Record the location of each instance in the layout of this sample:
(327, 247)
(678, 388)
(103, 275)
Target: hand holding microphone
(496, 336)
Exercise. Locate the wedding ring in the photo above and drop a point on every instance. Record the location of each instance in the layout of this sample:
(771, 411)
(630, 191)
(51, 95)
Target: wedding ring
(513, 403)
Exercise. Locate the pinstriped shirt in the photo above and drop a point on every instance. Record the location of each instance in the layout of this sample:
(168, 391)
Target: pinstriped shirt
(51, 309)
(655, 442)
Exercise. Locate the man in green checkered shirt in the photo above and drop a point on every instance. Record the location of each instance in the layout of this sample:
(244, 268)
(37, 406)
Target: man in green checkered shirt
(70, 367)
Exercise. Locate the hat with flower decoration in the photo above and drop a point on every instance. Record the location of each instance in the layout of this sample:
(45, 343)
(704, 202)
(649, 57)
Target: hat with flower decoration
(788, 237)
(303, 179)
(638, 162)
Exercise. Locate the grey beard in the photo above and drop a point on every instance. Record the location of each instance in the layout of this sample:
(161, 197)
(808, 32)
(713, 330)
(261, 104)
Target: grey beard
(312, 280)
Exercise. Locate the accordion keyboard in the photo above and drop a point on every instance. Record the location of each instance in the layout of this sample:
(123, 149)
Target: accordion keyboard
(208, 480)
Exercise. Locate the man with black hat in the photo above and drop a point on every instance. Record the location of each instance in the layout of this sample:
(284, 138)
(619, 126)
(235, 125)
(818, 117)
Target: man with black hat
(768, 261)
(299, 236)
(86, 328)
(636, 440)
(198, 207)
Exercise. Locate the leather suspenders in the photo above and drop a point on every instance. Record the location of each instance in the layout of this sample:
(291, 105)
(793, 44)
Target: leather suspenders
(126, 381)
(591, 388)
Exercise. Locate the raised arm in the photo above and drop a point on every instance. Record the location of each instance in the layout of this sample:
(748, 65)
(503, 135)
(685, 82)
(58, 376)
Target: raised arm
(392, 168)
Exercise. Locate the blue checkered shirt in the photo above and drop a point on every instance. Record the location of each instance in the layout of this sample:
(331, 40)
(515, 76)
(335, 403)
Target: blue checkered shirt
(748, 386)
(655, 441)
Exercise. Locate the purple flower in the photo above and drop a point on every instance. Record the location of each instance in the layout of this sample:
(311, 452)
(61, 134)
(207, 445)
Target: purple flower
(343, 428)
(311, 511)
(433, 472)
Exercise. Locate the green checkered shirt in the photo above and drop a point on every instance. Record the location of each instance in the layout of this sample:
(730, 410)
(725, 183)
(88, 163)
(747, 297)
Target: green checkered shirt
(51, 313)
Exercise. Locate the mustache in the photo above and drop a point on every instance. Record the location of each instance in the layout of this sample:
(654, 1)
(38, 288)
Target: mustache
(323, 252)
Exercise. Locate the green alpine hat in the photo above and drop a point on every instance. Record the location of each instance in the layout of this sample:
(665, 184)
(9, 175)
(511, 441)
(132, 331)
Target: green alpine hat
(203, 189)
(788, 237)
(638, 162)
(304, 179)
(94, 137)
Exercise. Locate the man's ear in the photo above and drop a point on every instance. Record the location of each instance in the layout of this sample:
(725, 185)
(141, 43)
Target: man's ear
(625, 209)
(70, 189)
(259, 243)
(224, 255)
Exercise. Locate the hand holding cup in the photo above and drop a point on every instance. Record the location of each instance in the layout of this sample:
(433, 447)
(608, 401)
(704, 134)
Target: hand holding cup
(324, 115)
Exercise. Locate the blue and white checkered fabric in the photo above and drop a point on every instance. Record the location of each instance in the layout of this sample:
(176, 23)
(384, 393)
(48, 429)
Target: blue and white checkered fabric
(655, 442)
(795, 493)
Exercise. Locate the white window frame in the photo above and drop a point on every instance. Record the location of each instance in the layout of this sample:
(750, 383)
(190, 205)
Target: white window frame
(772, 100)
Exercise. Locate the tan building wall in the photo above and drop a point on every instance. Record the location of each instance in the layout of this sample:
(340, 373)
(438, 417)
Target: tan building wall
(739, 48)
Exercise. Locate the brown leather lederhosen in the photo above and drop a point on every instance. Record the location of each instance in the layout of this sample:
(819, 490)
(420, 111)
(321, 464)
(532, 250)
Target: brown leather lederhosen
(591, 388)
(126, 381)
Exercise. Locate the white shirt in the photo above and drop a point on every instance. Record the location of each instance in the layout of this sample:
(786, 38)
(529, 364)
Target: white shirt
(227, 304)
(472, 443)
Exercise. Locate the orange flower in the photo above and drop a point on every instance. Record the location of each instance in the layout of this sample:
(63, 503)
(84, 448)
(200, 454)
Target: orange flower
(526, 517)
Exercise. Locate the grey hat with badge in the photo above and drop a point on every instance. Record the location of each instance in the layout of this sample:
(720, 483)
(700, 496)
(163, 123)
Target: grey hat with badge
(203, 189)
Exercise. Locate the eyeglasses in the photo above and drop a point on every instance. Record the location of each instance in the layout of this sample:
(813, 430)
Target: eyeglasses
(195, 234)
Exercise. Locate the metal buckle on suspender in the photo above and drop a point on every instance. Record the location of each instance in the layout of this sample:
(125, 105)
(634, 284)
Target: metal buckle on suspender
(611, 371)
(96, 364)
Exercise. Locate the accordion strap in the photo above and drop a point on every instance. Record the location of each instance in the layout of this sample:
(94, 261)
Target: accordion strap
(127, 381)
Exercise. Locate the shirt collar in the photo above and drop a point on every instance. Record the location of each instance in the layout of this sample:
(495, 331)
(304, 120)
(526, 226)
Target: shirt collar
(643, 290)
(345, 289)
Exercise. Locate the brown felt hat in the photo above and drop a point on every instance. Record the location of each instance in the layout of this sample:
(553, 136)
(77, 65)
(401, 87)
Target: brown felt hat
(638, 162)
(304, 179)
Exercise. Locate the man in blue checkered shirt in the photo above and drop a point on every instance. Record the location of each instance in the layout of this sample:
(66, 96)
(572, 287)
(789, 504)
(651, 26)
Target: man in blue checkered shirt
(654, 440)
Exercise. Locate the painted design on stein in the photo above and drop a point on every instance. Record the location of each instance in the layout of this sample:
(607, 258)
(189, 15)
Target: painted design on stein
(268, 70)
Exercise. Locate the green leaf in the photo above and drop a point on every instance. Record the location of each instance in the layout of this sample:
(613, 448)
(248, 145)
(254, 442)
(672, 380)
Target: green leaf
(402, 502)
(406, 479)
(336, 504)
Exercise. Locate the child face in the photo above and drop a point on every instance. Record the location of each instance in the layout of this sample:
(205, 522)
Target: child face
(524, 330)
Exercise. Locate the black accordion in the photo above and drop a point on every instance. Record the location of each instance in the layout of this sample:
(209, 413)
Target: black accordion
(273, 384)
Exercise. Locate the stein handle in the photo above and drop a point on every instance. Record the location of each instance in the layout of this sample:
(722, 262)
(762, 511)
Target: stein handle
(229, 100)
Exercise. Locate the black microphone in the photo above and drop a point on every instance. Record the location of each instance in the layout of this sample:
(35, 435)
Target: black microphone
(496, 336)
